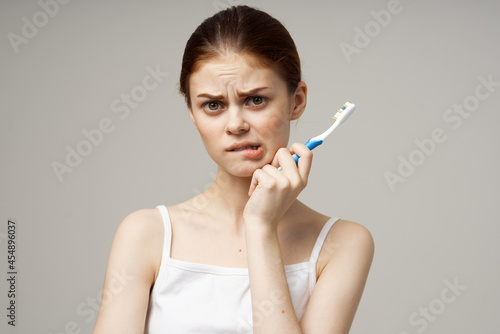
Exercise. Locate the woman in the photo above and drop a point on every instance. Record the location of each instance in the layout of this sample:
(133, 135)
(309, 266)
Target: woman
(244, 256)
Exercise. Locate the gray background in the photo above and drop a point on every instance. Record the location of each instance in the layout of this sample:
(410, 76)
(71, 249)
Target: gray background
(439, 225)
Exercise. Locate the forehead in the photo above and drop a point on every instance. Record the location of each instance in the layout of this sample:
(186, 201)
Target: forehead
(240, 72)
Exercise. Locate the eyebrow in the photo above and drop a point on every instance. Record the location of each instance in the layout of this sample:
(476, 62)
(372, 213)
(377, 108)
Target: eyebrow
(243, 94)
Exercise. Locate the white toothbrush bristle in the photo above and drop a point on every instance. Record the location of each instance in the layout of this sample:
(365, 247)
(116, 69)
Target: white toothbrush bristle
(340, 116)
(337, 114)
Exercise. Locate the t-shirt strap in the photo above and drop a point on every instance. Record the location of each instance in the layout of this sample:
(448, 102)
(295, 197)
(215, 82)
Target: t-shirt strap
(168, 231)
(321, 239)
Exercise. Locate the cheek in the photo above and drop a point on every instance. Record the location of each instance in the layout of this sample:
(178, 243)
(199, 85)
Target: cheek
(276, 127)
(205, 132)
(208, 133)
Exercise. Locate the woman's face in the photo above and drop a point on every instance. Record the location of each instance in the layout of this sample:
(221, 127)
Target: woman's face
(236, 102)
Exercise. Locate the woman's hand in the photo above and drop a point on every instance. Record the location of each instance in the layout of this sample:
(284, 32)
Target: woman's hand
(272, 191)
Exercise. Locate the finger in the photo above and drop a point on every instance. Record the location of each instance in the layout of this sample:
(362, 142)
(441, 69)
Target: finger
(275, 162)
(254, 182)
(275, 173)
(285, 160)
(258, 177)
(305, 160)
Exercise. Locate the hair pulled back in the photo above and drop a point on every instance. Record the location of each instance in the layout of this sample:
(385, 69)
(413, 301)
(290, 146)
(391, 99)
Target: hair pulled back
(246, 31)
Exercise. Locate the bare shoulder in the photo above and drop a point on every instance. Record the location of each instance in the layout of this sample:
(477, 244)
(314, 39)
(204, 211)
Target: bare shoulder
(143, 221)
(143, 226)
(350, 233)
(143, 230)
(130, 273)
(348, 238)
(335, 298)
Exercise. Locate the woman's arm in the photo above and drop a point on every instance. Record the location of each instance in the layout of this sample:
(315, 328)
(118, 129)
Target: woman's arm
(130, 274)
(350, 247)
(335, 296)
(337, 293)
(272, 307)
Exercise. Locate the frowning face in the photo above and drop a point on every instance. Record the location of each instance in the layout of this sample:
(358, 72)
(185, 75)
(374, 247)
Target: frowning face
(242, 111)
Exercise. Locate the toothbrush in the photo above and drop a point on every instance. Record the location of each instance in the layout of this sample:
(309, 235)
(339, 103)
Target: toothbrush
(340, 117)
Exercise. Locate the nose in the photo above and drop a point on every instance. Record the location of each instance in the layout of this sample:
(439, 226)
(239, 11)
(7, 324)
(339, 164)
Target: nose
(236, 123)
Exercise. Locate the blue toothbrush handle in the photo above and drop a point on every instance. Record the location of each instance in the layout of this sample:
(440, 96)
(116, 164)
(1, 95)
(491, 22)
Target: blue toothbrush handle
(311, 144)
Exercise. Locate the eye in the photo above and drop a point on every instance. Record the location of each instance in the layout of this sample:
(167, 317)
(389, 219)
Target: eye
(257, 100)
(211, 106)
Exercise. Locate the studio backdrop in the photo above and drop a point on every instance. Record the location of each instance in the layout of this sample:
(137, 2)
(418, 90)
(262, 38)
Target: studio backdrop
(93, 128)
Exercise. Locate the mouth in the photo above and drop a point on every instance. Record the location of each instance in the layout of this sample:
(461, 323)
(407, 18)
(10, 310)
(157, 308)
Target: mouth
(249, 151)
(246, 148)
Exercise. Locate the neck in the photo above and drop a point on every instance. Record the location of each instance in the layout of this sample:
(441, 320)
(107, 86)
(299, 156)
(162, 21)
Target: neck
(226, 198)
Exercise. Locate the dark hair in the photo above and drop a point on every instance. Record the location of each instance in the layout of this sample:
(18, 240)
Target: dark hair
(247, 31)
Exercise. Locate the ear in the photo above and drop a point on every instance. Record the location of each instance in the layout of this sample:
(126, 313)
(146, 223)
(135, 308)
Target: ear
(299, 100)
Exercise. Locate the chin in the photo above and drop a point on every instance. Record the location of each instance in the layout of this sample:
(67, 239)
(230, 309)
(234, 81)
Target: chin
(245, 169)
